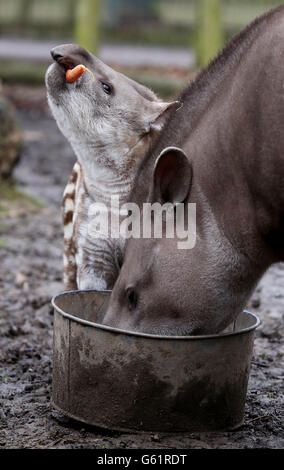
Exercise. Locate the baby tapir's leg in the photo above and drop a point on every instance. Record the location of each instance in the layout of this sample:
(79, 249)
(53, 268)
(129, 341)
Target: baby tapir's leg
(69, 215)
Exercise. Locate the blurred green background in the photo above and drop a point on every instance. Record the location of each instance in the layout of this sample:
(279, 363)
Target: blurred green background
(199, 27)
(163, 22)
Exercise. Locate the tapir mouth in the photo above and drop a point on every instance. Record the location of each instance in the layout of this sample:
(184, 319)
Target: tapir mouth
(55, 80)
(66, 63)
(56, 74)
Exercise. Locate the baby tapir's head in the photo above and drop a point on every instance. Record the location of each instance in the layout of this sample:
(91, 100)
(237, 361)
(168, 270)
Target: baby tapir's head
(110, 114)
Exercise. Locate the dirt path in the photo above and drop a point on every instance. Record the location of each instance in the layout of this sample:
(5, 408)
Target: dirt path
(31, 272)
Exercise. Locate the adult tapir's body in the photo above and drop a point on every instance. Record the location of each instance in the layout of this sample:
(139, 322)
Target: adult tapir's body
(231, 132)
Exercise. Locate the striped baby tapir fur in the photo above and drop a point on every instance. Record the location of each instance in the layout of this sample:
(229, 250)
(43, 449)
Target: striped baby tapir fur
(110, 122)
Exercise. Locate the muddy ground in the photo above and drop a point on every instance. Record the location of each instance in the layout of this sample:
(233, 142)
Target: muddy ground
(31, 273)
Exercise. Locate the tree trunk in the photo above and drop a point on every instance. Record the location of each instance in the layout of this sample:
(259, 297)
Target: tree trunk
(87, 24)
(209, 30)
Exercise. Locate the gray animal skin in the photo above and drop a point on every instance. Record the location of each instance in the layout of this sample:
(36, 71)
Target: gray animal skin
(110, 121)
(230, 162)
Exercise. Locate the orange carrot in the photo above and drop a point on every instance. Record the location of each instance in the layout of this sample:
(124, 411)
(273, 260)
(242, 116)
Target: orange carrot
(73, 74)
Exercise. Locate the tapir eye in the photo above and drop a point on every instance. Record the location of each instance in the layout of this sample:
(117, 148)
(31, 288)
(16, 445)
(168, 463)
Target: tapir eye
(106, 88)
(132, 298)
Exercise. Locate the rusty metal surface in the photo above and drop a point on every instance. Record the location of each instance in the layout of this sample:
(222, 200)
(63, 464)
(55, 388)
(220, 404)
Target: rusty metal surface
(136, 382)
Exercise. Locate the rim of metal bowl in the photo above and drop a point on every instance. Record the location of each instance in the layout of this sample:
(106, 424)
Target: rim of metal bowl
(136, 333)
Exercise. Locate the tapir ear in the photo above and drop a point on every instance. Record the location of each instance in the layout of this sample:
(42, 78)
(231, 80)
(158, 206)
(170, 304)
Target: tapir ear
(159, 114)
(172, 176)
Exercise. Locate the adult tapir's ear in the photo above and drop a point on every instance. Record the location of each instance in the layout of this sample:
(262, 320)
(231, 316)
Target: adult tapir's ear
(172, 176)
(158, 113)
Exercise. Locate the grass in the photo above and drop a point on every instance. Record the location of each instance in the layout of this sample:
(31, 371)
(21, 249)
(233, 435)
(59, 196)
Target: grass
(10, 192)
(13, 202)
(22, 72)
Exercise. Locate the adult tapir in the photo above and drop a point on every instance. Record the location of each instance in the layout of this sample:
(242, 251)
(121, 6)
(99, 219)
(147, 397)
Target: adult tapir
(228, 158)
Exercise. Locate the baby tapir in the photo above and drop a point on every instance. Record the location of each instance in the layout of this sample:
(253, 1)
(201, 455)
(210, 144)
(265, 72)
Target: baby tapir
(223, 151)
(110, 122)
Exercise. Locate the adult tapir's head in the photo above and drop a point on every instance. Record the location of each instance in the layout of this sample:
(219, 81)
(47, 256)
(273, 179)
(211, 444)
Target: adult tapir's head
(165, 287)
(110, 111)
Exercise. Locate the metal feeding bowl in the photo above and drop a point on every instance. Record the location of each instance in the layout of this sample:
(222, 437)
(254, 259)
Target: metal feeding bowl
(128, 381)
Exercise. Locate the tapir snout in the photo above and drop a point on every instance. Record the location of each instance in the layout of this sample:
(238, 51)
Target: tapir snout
(70, 55)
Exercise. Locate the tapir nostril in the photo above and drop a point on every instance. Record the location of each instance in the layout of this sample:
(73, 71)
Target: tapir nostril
(67, 61)
(56, 55)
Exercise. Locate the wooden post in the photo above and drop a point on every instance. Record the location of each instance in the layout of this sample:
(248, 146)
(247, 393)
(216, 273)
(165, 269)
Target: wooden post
(209, 30)
(87, 23)
(23, 14)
